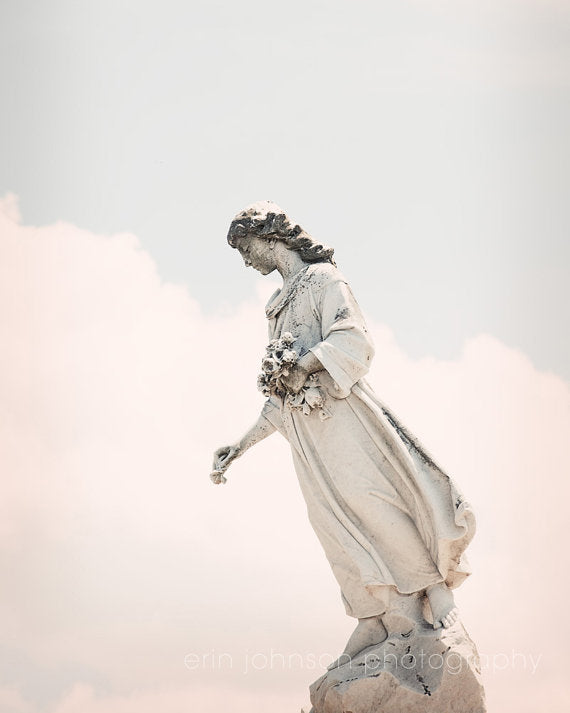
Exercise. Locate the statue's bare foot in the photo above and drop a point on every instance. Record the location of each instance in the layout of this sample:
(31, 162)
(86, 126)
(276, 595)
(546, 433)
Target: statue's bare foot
(442, 604)
(368, 632)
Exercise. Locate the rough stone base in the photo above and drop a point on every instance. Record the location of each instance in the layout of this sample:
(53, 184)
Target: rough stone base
(415, 672)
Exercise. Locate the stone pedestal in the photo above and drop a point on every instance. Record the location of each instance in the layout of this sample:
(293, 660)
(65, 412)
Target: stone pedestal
(418, 671)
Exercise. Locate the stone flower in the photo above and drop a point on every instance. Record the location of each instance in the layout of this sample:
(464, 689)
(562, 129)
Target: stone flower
(314, 397)
(270, 365)
(289, 356)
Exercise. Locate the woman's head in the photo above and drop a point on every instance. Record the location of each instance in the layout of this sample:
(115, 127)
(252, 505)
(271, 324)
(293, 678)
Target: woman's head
(267, 221)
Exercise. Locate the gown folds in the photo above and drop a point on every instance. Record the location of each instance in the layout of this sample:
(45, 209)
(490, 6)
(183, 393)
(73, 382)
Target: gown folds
(389, 519)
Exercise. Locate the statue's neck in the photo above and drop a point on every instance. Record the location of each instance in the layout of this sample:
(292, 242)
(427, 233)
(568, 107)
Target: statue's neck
(289, 264)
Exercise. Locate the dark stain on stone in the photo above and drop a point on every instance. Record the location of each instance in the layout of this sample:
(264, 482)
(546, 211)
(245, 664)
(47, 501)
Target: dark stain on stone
(342, 313)
(427, 692)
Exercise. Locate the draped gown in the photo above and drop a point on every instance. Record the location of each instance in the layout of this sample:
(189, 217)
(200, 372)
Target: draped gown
(389, 519)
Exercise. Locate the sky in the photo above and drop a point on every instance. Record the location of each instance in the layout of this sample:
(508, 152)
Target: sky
(427, 142)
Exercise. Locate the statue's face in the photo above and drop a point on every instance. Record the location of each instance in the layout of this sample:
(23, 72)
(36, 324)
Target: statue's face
(258, 253)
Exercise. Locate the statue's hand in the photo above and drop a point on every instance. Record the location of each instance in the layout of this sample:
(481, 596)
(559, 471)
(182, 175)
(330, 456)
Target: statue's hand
(296, 379)
(223, 458)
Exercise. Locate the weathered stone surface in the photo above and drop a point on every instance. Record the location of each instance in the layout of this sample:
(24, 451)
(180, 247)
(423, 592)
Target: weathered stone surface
(418, 672)
(392, 523)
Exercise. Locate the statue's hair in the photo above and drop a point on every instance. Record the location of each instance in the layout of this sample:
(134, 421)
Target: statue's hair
(265, 219)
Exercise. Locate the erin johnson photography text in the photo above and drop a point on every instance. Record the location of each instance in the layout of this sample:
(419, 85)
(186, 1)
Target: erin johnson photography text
(252, 661)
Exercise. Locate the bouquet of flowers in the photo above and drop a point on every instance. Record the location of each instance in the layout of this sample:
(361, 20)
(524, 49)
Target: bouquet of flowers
(280, 358)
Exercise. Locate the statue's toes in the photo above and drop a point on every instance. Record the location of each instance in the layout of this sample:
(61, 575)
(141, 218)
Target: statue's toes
(450, 619)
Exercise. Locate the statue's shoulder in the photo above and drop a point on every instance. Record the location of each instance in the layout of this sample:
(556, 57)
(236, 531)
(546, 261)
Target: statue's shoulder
(322, 274)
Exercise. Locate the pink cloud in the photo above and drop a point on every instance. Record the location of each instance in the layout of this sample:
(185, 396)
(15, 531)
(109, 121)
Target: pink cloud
(120, 558)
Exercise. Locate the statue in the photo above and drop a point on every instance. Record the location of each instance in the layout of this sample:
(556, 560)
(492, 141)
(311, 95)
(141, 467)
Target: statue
(392, 523)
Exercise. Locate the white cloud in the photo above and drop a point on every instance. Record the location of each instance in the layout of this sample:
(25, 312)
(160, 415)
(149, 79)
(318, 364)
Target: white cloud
(120, 558)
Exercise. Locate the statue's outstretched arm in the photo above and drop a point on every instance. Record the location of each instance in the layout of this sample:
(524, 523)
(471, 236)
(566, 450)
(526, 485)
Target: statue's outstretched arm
(226, 455)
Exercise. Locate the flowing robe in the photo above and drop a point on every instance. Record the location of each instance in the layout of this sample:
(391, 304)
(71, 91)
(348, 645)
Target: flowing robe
(389, 519)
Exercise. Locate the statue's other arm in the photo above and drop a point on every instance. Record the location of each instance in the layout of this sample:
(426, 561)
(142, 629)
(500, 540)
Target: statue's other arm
(297, 377)
(346, 349)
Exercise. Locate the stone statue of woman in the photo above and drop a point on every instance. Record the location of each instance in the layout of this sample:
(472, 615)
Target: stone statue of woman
(390, 521)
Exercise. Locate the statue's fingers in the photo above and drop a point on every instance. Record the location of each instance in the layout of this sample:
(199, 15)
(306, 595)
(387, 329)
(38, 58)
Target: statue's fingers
(223, 461)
